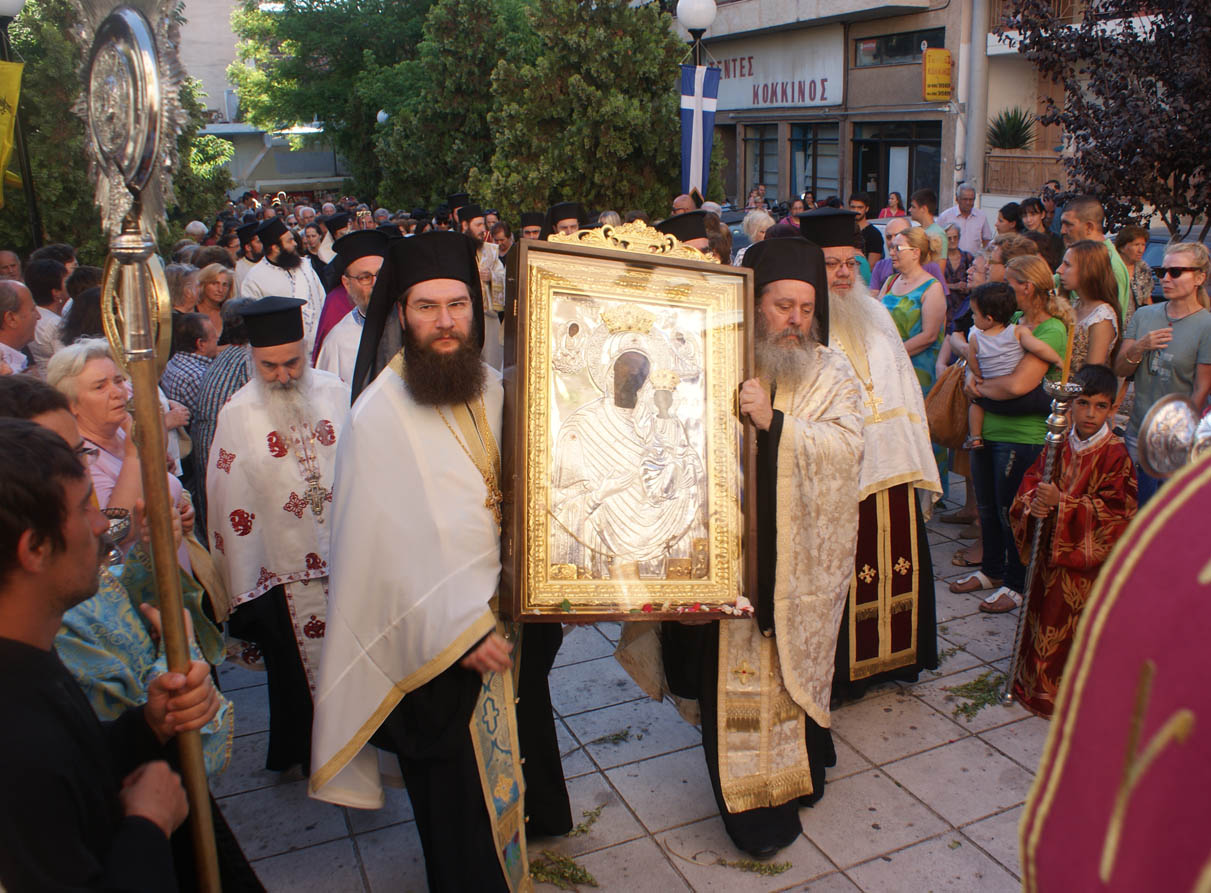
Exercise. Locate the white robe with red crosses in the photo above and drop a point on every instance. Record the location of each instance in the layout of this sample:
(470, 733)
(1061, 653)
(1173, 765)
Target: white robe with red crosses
(268, 526)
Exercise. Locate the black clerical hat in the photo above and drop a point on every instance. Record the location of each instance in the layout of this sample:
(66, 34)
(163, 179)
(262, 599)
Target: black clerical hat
(561, 211)
(390, 230)
(532, 218)
(247, 232)
(271, 230)
(363, 243)
(274, 320)
(829, 227)
(420, 213)
(456, 200)
(683, 227)
(336, 222)
(433, 255)
(469, 212)
(790, 258)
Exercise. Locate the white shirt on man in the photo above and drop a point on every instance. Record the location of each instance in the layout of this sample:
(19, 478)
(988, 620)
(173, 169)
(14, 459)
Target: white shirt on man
(46, 339)
(974, 229)
(338, 353)
(266, 279)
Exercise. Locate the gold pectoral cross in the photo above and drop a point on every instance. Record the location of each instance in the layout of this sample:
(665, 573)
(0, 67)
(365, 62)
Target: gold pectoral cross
(872, 401)
(493, 502)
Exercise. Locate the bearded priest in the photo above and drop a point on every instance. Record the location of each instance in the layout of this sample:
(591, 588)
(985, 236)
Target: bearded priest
(890, 625)
(416, 662)
(269, 498)
(281, 271)
(762, 685)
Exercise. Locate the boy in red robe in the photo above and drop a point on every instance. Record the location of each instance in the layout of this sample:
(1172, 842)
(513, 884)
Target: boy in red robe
(1086, 509)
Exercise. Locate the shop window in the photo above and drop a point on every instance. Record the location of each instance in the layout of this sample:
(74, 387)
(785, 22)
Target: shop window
(761, 153)
(816, 160)
(896, 49)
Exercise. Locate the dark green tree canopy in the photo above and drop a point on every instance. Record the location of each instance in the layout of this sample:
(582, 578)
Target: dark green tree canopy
(1136, 76)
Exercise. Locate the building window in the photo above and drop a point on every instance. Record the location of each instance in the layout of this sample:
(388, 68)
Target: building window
(896, 156)
(816, 160)
(761, 152)
(896, 49)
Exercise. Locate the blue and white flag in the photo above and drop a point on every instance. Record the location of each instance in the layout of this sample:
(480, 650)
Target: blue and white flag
(699, 95)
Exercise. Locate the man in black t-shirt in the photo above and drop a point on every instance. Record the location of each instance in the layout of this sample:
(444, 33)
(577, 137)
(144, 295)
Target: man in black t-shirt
(872, 239)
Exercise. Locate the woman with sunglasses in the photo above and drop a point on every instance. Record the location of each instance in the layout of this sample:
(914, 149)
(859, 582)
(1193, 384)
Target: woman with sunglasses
(1167, 346)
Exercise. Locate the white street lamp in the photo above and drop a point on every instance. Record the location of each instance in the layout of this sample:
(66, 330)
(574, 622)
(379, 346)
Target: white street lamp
(696, 16)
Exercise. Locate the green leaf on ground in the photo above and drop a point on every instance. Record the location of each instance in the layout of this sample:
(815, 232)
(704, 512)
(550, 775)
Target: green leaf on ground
(562, 871)
(983, 691)
(767, 869)
(590, 819)
(615, 738)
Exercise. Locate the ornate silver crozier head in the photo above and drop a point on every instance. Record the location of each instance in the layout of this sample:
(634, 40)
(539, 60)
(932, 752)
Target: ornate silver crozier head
(132, 76)
(1172, 435)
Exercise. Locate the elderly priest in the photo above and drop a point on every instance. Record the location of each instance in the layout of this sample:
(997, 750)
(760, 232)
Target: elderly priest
(763, 684)
(889, 630)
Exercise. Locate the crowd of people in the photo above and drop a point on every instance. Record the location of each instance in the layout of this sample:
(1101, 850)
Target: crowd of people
(333, 409)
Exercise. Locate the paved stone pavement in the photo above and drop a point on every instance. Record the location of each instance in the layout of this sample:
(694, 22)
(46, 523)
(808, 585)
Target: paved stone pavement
(919, 799)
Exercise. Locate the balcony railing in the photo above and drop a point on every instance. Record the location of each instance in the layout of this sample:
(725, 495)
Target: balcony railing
(1069, 12)
(1020, 172)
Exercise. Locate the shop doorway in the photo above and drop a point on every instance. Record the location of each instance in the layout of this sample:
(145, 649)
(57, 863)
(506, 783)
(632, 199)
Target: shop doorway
(896, 156)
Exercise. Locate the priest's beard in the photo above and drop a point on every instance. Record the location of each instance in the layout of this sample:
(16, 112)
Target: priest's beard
(287, 260)
(844, 310)
(787, 362)
(442, 379)
(286, 404)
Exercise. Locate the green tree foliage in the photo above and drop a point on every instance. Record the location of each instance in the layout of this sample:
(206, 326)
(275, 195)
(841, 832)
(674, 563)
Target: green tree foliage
(306, 60)
(1136, 77)
(439, 127)
(55, 136)
(594, 117)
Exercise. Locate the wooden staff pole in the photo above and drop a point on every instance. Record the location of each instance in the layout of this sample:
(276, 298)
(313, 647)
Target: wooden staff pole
(149, 437)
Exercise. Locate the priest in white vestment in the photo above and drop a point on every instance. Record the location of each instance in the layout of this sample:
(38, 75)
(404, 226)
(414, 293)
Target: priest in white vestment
(250, 253)
(892, 589)
(269, 508)
(282, 272)
(362, 253)
(491, 281)
(762, 684)
(413, 645)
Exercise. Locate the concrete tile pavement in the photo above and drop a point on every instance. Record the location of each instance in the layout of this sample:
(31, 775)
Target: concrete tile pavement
(919, 799)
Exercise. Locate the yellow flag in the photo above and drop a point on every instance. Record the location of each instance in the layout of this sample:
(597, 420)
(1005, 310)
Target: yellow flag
(10, 92)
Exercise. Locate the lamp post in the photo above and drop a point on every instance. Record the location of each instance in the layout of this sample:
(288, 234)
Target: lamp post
(9, 9)
(696, 16)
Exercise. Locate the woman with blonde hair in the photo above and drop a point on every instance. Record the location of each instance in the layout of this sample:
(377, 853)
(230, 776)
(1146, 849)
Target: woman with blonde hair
(1167, 345)
(754, 226)
(1086, 273)
(215, 286)
(916, 302)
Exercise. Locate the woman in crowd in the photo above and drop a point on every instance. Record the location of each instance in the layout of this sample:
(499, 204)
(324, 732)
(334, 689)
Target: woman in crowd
(916, 302)
(1086, 271)
(83, 319)
(958, 262)
(1011, 442)
(797, 207)
(182, 286)
(1004, 248)
(755, 224)
(1167, 346)
(895, 206)
(1131, 242)
(97, 393)
(215, 286)
(1009, 218)
(1034, 227)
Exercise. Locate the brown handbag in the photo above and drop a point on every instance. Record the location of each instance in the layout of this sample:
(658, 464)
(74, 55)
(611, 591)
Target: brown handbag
(946, 407)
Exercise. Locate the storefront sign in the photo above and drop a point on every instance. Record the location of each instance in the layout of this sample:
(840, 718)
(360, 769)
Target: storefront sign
(791, 68)
(936, 75)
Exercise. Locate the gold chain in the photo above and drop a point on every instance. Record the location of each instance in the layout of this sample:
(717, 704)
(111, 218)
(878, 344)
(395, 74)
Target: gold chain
(486, 465)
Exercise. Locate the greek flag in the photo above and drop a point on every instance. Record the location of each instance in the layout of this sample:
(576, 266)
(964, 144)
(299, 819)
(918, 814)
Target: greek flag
(699, 95)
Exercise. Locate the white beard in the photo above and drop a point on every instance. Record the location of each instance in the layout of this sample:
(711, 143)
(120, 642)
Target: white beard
(286, 405)
(789, 365)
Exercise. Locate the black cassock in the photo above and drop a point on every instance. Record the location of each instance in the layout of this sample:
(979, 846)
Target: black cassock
(691, 664)
(429, 731)
(61, 821)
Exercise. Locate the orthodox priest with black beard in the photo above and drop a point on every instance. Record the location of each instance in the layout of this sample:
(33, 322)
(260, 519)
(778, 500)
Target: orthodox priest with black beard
(282, 272)
(415, 661)
(762, 684)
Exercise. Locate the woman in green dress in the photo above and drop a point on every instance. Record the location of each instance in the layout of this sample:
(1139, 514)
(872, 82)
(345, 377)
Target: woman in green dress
(916, 302)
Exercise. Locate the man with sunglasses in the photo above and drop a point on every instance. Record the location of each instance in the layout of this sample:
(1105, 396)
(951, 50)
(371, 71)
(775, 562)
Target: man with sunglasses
(362, 253)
